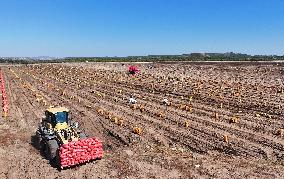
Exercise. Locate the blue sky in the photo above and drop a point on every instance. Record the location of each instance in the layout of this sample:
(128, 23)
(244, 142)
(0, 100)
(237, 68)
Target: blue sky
(140, 27)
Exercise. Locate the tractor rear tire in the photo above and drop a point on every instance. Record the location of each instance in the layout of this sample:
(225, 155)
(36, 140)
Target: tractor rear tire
(38, 141)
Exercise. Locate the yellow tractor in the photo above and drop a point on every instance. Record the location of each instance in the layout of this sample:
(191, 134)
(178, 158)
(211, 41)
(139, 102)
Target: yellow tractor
(63, 143)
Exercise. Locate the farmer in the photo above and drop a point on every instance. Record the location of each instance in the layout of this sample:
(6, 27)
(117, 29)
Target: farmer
(132, 100)
(166, 101)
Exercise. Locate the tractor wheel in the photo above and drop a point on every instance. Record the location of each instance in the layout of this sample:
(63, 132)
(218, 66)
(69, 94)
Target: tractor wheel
(50, 150)
(38, 141)
(82, 136)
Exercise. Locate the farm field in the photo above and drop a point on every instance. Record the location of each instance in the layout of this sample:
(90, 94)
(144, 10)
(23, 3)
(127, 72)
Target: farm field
(223, 120)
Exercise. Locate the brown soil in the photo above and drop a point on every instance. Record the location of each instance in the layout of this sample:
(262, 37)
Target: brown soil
(224, 121)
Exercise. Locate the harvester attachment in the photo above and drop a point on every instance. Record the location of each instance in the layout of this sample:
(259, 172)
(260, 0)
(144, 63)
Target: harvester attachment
(77, 152)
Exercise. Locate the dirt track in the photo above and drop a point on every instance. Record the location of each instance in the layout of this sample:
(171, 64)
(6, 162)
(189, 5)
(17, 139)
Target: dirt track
(224, 120)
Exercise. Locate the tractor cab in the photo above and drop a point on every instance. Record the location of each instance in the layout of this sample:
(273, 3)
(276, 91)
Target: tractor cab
(57, 117)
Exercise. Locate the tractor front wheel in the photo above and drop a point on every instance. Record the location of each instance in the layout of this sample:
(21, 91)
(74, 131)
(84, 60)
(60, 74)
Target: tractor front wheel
(82, 136)
(51, 151)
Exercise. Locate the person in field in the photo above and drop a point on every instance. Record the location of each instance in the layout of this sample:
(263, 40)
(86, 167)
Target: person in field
(132, 100)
